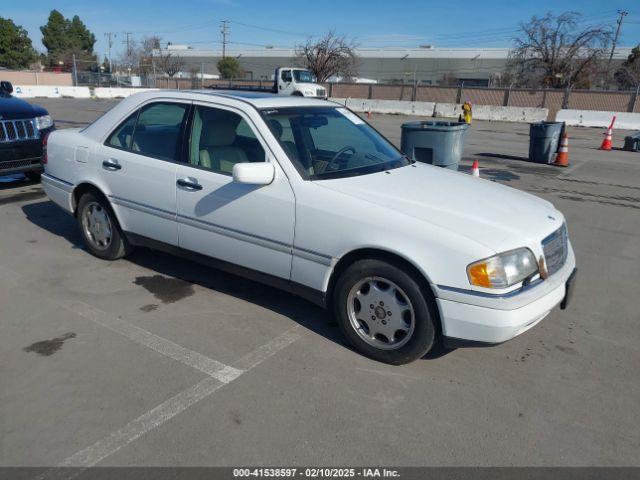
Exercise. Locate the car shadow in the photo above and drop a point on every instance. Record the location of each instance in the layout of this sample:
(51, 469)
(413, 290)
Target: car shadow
(49, 217)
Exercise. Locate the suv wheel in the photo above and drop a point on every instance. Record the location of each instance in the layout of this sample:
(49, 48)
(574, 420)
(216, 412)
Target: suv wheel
(100, 228)
(384, 313)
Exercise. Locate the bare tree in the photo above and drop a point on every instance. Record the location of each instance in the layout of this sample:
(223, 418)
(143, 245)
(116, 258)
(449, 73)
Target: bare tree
(331, 55)
(628, 75)
(553, 51)
(169, 63)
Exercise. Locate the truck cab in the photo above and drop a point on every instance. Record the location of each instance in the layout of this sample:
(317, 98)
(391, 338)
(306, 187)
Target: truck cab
(297, 81)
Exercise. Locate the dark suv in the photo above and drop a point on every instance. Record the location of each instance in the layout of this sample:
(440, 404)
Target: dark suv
(23, 129)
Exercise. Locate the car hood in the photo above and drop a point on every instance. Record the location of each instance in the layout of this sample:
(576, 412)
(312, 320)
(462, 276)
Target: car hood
(12, 108)
(494, 215)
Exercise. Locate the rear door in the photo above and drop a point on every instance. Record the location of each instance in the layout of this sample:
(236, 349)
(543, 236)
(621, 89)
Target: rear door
(138, 163)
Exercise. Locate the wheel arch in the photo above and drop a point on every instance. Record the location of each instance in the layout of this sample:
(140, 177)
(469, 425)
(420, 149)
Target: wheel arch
(80, 190)
(387, 256)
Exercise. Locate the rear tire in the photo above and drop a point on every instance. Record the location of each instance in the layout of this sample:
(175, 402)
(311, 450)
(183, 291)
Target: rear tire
(100, 229)
(384, 313)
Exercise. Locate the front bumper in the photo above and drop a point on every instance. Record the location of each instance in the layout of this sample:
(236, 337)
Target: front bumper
(22, 155)
(470, 317)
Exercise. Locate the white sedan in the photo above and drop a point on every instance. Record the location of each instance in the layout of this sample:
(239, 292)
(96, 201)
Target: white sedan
(304, 195)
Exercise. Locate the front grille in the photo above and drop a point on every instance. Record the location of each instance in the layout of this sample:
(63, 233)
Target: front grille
(17, 130)
(555, 248)
(320, 92)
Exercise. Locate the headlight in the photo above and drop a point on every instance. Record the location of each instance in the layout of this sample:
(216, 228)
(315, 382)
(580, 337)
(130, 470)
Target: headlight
(43, 122)
(503, 270)
(308, 93)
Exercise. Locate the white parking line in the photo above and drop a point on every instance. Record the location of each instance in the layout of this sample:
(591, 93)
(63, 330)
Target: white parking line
(218, 375)
(92, 455)
(207, 365)
(211, 367)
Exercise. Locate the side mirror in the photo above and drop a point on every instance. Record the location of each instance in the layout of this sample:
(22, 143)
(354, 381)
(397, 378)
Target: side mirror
(6, 86)
(258, 173)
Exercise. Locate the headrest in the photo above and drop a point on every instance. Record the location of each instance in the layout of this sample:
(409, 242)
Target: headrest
(219, 129)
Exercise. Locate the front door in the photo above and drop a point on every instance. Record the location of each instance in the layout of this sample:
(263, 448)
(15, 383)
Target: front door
(137, 163)
(248, 225)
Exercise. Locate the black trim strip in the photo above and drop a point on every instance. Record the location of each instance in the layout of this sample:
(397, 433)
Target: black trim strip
(226, 231)
(315, 296)
(496, 296)
(141, 207)
(58, 179)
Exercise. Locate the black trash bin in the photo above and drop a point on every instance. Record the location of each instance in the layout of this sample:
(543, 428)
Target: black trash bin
(632, 142)
(544, 139)
(437, 143)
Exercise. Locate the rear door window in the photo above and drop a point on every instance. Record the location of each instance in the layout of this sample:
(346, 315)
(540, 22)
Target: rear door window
(157, 132)
(122, 136)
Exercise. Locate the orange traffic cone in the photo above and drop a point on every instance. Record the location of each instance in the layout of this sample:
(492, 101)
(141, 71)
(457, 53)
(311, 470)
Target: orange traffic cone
(562, 159)
(606, 143)
(475, 169)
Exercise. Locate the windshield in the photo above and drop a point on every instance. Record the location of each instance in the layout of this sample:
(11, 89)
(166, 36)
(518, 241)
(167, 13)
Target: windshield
(327, 142)
(303, 76)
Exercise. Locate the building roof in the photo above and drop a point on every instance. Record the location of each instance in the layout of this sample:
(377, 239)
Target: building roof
(389, 52)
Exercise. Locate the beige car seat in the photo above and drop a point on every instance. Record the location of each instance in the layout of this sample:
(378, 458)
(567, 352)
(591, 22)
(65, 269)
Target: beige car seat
(217, 151)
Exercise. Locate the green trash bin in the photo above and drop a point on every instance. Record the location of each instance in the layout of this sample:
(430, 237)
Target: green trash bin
(544, 139)
(434, 142)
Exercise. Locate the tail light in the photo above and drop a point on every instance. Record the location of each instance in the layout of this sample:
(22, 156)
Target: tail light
(45, 138)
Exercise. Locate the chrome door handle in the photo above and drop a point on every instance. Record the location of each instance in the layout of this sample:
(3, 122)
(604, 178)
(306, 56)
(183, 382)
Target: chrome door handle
(111, 164)
(188, 184)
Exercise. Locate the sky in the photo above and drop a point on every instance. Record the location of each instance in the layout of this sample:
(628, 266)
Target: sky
(285, 23)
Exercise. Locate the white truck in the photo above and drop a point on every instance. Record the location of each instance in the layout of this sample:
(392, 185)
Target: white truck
(295, 81)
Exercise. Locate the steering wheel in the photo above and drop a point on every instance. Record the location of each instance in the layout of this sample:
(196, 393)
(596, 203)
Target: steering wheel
(342, 151)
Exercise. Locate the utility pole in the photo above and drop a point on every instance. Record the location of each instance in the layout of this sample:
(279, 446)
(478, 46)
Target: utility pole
(128, 42)
(109, 36)
(224, 29)
(622, 13)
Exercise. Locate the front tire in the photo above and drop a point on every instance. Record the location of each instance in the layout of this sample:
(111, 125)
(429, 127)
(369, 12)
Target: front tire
(100, 229)
(384, 313)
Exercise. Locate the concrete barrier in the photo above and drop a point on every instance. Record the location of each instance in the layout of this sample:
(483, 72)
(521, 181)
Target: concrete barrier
(75, 92)
(401, 107)
(494, 113)
(117, 92)
(46, 91)
(34, 91)
(593, 118)
(445, 110)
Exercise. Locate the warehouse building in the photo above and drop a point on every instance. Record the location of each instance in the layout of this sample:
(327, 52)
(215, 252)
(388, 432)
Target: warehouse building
(427, 65)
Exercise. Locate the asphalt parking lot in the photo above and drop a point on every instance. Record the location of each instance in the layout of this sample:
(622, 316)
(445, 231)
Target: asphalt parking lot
(154, 360)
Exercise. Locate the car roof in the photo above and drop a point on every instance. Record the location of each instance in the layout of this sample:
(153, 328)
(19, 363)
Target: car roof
(259, 100)
(263, 99)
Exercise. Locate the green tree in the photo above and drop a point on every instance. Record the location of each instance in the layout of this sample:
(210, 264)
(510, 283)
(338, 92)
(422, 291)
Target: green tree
(65, 38)
(54, 36)
(80, 36)
(628, 75)
(16, 50)
(229, 67)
